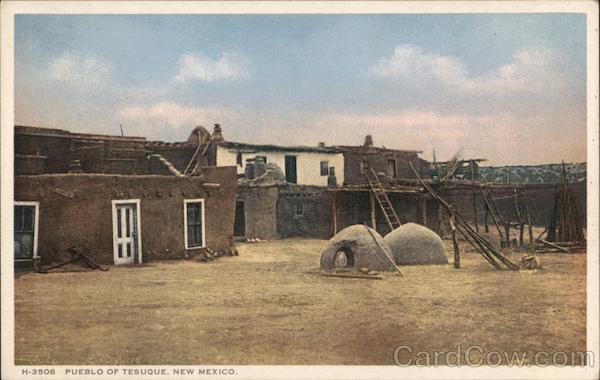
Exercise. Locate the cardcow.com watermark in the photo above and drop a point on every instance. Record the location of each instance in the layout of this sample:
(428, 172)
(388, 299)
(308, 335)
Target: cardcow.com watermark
(477, 356)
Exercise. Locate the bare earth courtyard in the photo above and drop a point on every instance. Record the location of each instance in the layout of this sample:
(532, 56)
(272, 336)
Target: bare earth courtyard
(271, 306)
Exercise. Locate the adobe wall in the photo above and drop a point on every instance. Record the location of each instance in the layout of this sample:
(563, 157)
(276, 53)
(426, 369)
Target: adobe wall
(42, 150)
(57, 149)
(75, 209)
(540, 202)
(29, 164)
(315, 221)
(260, 206)
(352, 208)
(355, 208)
(411, 208)
(378, 161)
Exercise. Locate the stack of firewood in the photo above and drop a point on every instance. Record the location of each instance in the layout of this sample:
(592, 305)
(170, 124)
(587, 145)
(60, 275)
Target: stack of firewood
(564, 226)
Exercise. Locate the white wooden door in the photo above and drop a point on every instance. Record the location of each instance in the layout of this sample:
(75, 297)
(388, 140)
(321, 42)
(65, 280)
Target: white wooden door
(126, 247)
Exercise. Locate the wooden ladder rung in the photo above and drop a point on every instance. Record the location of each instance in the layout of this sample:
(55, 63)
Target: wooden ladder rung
(378, 191)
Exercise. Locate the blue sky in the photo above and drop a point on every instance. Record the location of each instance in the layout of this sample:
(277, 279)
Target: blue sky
(507, 87)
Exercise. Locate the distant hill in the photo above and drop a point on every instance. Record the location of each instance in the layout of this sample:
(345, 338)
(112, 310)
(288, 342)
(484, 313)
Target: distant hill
(548, 173)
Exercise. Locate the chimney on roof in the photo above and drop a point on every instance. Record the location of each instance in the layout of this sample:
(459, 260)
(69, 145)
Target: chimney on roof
(217, 136)
(321, 145)
(368, 140)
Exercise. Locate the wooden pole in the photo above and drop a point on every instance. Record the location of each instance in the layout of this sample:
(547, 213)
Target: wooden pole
(475, 212)
(189, 165)
(478, 246)
(489, 207)
(542, 234)
(334, 212)
(552, 245)
(487, 249)
(486, 245)
(368, 277)
(383, 250)
(455, 242)
(487, 227)
(424, 210)
(373, 215)
(531, 240)
(441, 220)
(565, 243)
(495, 206)
(529, 226)
(517, 211)
(521, 234)
(507, 233)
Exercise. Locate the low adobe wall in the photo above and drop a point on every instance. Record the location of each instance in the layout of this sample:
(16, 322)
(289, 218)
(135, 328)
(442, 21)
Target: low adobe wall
(540, 202)
(260, 206)
(315, 219)
(76, 209)
(355, 208)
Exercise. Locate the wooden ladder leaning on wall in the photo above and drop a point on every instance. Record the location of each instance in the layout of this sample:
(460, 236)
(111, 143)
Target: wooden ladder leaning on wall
(382, 199)
(200, 150)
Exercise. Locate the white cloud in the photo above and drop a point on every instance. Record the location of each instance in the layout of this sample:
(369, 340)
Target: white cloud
(501, 137)
(197, 66)
(407, 119)
(146, 93)
(174, 115)
(79, 68)
(432, 124)
(531, 70)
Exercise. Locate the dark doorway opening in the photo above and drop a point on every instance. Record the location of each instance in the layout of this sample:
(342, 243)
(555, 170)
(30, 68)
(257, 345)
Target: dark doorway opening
(239, 224)
(290, 169)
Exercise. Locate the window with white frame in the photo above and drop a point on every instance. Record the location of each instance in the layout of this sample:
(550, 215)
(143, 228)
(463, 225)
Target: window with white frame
(25, 230)
(299, 209)
(193, 212)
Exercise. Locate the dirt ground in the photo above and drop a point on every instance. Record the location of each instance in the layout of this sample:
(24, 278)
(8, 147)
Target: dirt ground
(271, 306)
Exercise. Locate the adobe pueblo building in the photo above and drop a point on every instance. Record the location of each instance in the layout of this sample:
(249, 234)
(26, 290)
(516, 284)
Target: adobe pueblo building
(127, 200)
(301, 191)
(117, 198)
(283, 190)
